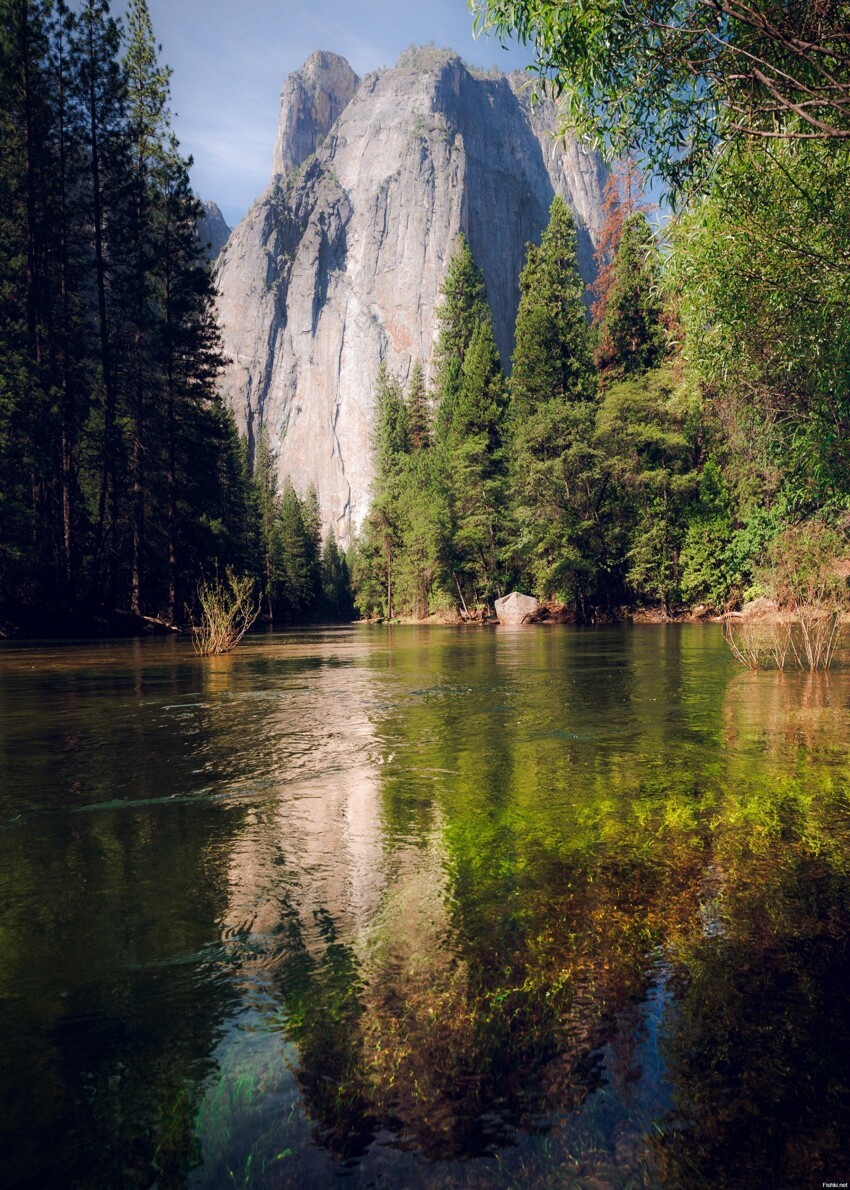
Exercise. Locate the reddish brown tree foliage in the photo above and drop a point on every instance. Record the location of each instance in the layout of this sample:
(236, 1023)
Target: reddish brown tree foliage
(623, 196)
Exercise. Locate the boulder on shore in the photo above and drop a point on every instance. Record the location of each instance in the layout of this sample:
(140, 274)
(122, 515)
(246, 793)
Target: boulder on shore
(517, 609)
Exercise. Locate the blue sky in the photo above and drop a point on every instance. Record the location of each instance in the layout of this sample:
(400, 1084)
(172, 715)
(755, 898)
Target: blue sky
(230, 59)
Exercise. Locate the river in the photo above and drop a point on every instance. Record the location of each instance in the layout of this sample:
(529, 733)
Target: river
(423, 907)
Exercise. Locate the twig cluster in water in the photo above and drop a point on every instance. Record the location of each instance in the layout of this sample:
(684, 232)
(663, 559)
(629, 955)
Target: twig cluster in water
(228, 609)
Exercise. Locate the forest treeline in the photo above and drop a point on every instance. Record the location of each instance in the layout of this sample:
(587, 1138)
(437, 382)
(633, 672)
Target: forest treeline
(684, 440)
(123, 481)
(687, 444)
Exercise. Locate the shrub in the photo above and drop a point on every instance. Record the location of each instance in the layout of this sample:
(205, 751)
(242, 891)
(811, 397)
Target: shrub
(228, 608)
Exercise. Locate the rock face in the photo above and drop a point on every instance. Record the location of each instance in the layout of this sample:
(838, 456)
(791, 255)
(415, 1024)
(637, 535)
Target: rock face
(517, 609)
(311, 101)
(212, 229)
(339, 264)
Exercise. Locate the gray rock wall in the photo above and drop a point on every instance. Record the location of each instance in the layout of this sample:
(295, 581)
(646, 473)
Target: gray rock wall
(339, 264)
(212, 229)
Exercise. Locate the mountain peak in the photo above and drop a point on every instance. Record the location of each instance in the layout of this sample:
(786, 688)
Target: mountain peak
(311, 101)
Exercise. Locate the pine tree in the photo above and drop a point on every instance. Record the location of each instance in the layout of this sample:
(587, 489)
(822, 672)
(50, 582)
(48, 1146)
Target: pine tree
(101, 96)
(631, 338)
(312, 519)
(190, 359)
(622, 197)
(337, 601)
(71, 335)
(477, 467)
(463, 307)
(267, 503)
(552, 462)
(295, 592)
(147, 114)
(391, 444)
(115, 451)
(551, 360)
(418, 413)
(26, 380)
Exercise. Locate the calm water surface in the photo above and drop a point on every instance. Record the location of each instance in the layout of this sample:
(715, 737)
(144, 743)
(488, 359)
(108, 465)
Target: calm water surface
(426, 907)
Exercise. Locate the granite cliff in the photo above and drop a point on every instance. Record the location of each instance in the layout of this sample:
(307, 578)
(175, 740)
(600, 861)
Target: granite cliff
(339, 263)
(212, 229)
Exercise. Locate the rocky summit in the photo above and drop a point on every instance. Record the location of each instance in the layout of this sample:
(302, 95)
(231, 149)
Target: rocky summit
(212, 229)
(338, 265)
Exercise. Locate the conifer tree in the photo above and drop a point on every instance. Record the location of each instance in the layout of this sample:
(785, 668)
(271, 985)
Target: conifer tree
(622, 196)
(463, 307)
(312, 519)
(551, 419)
(336, 583)
(631, 338)
(147, 116)
(267, 503)
(551, 359)
(417, 406)
(477, 466)
(116, 457)
(294, 595)
(26, 441)
(391, 444)
(100, 90)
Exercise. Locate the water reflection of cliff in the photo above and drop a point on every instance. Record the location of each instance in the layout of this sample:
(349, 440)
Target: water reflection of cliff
(544, 895)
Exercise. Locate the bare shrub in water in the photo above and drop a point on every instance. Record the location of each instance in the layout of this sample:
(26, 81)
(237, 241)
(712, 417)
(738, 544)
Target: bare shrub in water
(806, 573)
(760, 643)
(227, 610)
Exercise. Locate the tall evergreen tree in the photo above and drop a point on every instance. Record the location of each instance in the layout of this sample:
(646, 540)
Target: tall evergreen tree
(551, 359)
(478, 467)
(101, 96)
(115, 451)
(26, 126)
(551, 419)
(336, 582)
(418, 413)
(267, 503)
(147, 116)
(312, 519)
(631, 338)
(464, 306)
(391, 443)
(296, 594)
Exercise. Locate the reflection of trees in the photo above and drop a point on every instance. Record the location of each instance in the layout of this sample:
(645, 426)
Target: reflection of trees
(518, 941)
(109, 900)
(444, 874)
(567, 845)
(760, 1035)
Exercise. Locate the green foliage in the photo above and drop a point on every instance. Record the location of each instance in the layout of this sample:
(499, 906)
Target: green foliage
(551, 359)
(760, 265)
(631, 338)
(464, 306)
(418, 413)
(677, 77)
(337, 602)
(552, 464)
(119, 472)
(644, 431)
(433, 533)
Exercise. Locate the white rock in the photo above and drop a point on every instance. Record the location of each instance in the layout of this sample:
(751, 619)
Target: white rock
(517, 609)
(339, 264)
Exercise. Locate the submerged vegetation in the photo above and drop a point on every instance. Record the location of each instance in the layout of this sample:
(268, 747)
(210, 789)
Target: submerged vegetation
(556, 905)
